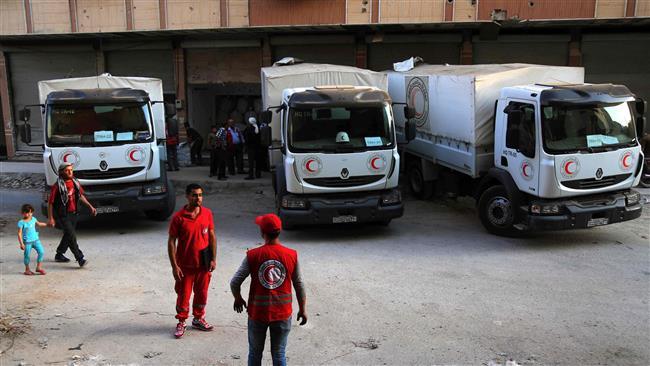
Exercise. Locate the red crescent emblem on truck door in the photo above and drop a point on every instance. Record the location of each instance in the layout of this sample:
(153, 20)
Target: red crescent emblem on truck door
(135, 155)
(376, 163)
(308, 165)
(311, 165)
(527, 170)
(70, 156)
(626, 160)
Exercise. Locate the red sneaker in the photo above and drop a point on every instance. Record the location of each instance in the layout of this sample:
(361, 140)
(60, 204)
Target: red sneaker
(201, 324)
(180, 330)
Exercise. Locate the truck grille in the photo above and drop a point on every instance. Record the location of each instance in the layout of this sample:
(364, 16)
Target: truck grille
(110, 173)
(592, 183)
(338, 182)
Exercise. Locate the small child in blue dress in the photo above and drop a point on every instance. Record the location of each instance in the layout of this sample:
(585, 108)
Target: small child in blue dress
(28, 238)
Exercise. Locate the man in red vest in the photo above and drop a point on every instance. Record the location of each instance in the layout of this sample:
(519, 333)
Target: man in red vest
(273, 268)
(193, 258)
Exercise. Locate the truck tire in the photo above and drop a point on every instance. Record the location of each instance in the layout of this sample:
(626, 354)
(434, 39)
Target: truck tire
(496, 212)
(419, 187)
(164, 213)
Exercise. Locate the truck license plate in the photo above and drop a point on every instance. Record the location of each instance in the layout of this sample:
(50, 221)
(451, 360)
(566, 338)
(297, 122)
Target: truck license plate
(344, 218)
(107, 209)
(598, 222)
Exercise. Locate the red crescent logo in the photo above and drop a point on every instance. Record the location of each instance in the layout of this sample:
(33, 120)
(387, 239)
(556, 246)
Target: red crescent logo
(308, 165)
(524, 169)
(566, 168)
(372, 163)
(65, 157)
(131, 155)
(626, 160)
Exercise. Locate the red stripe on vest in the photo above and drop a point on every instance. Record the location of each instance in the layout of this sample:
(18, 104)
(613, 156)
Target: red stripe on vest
(272, 267)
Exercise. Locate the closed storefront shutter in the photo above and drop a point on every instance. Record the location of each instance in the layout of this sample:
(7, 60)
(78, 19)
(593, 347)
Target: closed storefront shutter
(154, 63)
(337, 50)
(618, 59)
(438, 49)
(542, 50)
(28, 68)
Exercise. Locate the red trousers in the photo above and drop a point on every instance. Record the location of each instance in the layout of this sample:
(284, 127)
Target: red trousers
(197, 280)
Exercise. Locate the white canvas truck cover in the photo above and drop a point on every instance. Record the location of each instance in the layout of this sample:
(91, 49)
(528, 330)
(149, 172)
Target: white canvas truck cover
(456, 102)
(277, 78)
(152, 86)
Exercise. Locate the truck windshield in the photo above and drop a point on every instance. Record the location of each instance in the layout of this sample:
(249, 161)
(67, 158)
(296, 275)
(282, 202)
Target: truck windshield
(340, 129)
(98, 125)
(587, 128)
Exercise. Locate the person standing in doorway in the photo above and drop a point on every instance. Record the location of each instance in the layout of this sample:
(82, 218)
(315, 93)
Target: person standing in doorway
(235, 141)
(252, 137)
(196, 144)
(273, 269)
(215, 145)
(62, 212)
(192, 249)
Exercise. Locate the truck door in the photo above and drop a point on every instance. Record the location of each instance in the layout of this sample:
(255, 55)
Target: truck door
(517, 142)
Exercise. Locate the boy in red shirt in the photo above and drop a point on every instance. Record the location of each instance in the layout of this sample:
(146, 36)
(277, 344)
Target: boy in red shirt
(191, 233)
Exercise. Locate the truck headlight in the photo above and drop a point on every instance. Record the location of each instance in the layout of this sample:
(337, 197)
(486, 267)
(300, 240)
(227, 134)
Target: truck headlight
(155, 189)
(632, 198)
(293, 202)
(545, 209)
(391, 198)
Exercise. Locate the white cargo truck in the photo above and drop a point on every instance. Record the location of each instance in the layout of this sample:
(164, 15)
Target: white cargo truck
(110, 131)
(335, 160)
(537, 147)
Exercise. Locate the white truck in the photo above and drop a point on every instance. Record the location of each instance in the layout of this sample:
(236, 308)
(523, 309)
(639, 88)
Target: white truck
(112, 131)
(336, 157)
(537, 147)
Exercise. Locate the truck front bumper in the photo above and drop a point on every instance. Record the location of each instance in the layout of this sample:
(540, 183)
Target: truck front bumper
(585, 211)
(342, 208)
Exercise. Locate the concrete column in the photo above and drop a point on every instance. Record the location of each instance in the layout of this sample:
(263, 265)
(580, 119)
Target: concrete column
(7, 118)
(181, 85)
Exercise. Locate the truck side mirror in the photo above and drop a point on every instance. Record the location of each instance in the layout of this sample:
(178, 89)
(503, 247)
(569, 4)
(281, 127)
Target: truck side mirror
(641, 106)
(640, 128)
(409, 112)
(266, 117)
(25, 131)
(24, 114)
(410, 129)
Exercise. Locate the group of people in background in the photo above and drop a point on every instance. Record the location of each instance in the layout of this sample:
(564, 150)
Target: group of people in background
(227, 145)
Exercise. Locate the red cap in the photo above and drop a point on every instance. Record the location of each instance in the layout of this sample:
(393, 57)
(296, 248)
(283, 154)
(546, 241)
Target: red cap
(269, 223)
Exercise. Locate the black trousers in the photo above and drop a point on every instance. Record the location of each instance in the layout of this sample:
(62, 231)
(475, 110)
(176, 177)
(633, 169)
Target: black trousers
(68, 224)
(218, 162)
(195, 152)
(254, 166)
(172, 157)
(236, 157)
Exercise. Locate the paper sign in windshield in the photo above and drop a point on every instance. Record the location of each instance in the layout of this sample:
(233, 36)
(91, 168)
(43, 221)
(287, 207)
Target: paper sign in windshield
(373, 141)
(600, 140)
(124, 136)
(103, 136)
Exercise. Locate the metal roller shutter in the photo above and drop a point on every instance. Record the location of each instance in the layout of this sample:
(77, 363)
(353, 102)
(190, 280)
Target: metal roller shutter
(543, 50)
(337, 50)
(618, 59)
(145, 63)
(438, 49)
(28, 68)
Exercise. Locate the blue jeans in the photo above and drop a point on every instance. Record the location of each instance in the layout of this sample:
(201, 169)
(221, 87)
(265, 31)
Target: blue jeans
(257, 337)
(38, 247)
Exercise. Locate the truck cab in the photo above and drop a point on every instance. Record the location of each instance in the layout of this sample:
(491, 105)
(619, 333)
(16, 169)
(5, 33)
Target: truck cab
(337, 161)
(571, 153)
(109, 135)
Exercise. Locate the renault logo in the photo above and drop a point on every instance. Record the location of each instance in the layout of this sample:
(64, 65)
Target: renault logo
(599, 174)
(345, 173)
(103, 166)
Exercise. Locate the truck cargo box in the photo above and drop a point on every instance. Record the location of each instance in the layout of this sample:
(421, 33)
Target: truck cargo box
(277, 78)
(455, 107)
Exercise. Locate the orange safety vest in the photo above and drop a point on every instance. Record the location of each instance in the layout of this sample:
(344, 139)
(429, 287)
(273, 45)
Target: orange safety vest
(270, 296)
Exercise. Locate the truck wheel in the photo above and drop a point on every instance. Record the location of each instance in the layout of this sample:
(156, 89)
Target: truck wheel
(496, 212)
(170, 205)
(420, 188)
